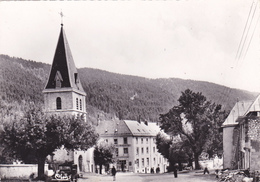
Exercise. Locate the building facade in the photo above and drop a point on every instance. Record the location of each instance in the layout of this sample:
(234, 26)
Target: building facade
(241, 136)
(135, 144)
(64, 94)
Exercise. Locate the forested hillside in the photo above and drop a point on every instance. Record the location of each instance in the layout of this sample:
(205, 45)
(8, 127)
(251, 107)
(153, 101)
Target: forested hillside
(22, 82)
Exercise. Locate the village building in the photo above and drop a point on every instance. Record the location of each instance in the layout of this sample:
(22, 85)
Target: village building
(135, 144)
(64, 94)
(241, 136)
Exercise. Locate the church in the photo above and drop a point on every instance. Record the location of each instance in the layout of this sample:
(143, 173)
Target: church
(64, 94)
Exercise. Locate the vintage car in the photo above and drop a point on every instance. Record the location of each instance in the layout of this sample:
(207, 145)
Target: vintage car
(66, 172)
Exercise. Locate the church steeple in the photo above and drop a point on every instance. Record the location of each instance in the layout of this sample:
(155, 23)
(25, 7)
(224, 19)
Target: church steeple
(63, 72)
(63, 91)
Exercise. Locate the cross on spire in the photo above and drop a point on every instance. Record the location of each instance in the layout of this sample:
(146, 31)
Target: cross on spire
(61, 16)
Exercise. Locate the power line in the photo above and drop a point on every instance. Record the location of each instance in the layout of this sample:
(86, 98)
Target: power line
(244, 29)
(251, 36)
(247, 32)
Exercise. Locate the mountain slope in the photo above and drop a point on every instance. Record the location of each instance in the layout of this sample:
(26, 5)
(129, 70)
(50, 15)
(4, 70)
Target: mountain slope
(22, 81)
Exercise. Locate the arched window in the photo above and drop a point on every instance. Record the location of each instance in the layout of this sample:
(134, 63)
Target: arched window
(58, 103)
(80, 103)
(77, 103)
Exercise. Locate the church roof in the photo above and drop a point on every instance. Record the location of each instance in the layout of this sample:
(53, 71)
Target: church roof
(63, 66)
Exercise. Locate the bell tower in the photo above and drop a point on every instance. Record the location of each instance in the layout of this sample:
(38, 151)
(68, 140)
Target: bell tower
(63, 92)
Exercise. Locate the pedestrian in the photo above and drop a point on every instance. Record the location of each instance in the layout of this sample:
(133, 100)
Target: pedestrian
(217, 173)
(158, 170)
(114, 173)
(175, 172)
(31, 177)
(206, 170)
(122, 167)
(247, 173)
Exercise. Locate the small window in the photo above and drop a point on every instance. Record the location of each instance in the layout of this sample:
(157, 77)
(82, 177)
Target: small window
(58, 83)
(77, 103)
(115, 141)
(137, 163)
(146, 140)
(142, 150)
(137, 150)
(147, 161)
(58, 103)
(142, 162)
(125, 150)
(117, 152)
(147, 150)
(136, 140)
(142, 140)
(125, 140)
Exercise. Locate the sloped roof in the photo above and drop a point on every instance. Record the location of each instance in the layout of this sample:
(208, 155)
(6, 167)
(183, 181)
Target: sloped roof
(113, 127)
(241, 109)
(127, 128)
(64, 64)
(141, 129)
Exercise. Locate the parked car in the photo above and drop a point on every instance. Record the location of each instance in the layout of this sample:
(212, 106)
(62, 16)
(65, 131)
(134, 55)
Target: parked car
(66, 172)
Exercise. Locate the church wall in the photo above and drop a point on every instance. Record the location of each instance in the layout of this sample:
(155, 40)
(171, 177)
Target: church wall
(50, 101)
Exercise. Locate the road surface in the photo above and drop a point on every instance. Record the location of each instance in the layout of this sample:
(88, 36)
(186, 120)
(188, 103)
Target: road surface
(166, 177)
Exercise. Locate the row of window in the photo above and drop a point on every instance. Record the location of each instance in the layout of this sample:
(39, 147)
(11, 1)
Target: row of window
(116, 141)
(125, 140)
(125, 151)
(59, 104)
(142, 140)
(142, 150)
(147, 162)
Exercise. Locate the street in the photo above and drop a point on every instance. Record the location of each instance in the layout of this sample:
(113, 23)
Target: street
(132, 177)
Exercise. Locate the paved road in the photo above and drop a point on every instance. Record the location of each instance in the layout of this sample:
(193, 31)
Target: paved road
(167, 177)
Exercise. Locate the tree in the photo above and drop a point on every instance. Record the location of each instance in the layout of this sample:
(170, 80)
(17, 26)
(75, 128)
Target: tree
(192, 120)
(103, 154)
(175, 151)
(163, 145)
(37, 135)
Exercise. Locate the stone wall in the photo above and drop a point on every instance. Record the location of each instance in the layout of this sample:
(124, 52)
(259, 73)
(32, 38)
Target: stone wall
(255, 155)
(19, 170)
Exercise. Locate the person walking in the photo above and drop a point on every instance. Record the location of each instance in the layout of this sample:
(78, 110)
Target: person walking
(114, 173)
(175, 172)
(206, 170)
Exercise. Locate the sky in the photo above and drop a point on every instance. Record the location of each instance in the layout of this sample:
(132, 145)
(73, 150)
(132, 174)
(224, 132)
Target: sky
(209, 40)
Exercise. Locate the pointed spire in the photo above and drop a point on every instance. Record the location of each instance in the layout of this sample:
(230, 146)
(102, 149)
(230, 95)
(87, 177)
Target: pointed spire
(63, 73)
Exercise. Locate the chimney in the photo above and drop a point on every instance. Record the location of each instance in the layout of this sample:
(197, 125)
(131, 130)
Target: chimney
(120, 115)
(146, 122)
(139, 118)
